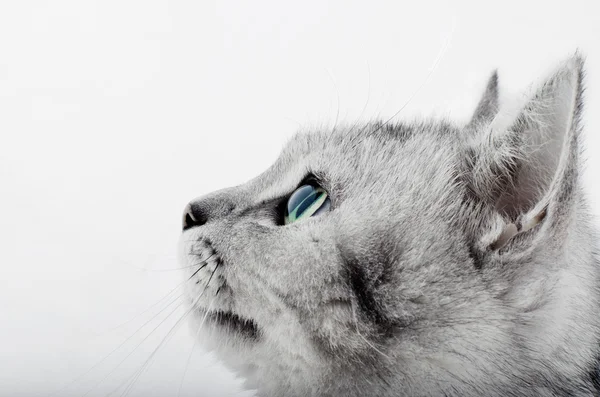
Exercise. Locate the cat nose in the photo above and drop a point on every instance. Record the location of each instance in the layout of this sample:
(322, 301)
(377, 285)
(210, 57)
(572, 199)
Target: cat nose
(209, 208)
(194, 215)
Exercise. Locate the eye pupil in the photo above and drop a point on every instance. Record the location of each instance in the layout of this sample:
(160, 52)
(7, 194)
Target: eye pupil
(305, 202)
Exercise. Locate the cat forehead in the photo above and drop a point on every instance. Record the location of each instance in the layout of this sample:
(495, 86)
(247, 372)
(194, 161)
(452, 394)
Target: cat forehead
(356, 137)
(357, 154)
(372, 145)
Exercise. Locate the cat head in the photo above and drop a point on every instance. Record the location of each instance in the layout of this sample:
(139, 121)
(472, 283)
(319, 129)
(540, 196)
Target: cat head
(417, 258)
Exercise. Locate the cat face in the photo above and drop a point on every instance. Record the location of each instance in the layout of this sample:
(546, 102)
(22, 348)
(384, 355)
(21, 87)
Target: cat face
(419, 275)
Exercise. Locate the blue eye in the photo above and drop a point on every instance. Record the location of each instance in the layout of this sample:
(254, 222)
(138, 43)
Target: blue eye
(306, 201)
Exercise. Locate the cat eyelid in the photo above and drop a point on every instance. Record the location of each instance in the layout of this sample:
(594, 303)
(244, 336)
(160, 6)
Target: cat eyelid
(311, 178)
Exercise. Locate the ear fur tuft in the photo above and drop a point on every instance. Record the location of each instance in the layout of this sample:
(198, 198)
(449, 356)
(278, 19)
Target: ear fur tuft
(526, 167)
(488, 104)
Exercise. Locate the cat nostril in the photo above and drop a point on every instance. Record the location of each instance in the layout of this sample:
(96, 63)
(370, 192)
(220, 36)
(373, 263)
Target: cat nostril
(193, 216)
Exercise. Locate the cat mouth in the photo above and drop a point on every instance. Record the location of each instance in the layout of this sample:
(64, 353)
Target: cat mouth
(234, 323)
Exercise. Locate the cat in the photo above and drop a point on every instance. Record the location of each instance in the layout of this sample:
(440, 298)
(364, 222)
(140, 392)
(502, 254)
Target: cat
(409, 259)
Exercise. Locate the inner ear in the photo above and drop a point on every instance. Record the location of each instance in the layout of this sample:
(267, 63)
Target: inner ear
(526, 166)
(546, 127)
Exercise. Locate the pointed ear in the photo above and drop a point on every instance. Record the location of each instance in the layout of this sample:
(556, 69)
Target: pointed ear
(526, 166)
(488, 104)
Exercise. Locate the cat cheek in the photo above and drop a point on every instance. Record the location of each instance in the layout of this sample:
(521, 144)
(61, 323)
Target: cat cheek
(330, 320)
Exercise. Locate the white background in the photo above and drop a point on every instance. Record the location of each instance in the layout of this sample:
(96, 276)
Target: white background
(114, 114)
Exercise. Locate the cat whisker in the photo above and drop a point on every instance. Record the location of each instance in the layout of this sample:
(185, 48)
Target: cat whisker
(174, 268)
(130, 382)
(97, 364)
(144, 366)
(196, 272)
(132, 351)
(133, 334)
(210, 278)
(337, 116)
(202, 252)
(204, 262)
(362, 112)
(193, 346)
(170, 269)
(433, 68)
(209, 257)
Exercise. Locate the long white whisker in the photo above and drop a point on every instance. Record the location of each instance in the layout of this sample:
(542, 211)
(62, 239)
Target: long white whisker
(97, 364)
(131, 352)
(139, 372)
(193, 346)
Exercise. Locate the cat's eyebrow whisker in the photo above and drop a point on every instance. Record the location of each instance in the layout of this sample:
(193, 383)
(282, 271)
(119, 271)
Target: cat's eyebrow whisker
(440, 55)
(362, 112)
(337, 116)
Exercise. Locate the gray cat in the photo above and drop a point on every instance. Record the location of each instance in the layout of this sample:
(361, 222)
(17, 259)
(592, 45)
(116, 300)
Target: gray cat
(418, 259)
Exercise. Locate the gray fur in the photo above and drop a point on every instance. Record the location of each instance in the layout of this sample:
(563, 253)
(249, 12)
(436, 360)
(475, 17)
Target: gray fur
(488, 104)
(455, 260)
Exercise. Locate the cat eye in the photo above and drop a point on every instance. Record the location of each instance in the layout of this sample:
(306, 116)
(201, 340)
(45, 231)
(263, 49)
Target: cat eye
(306, 201)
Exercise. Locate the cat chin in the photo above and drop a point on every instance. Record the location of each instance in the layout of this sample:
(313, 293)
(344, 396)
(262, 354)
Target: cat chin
(232, 324)
(224, 328)
(234, 342)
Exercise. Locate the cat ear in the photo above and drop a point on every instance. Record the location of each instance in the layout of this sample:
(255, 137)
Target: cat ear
(527, 166)
(488, 104)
